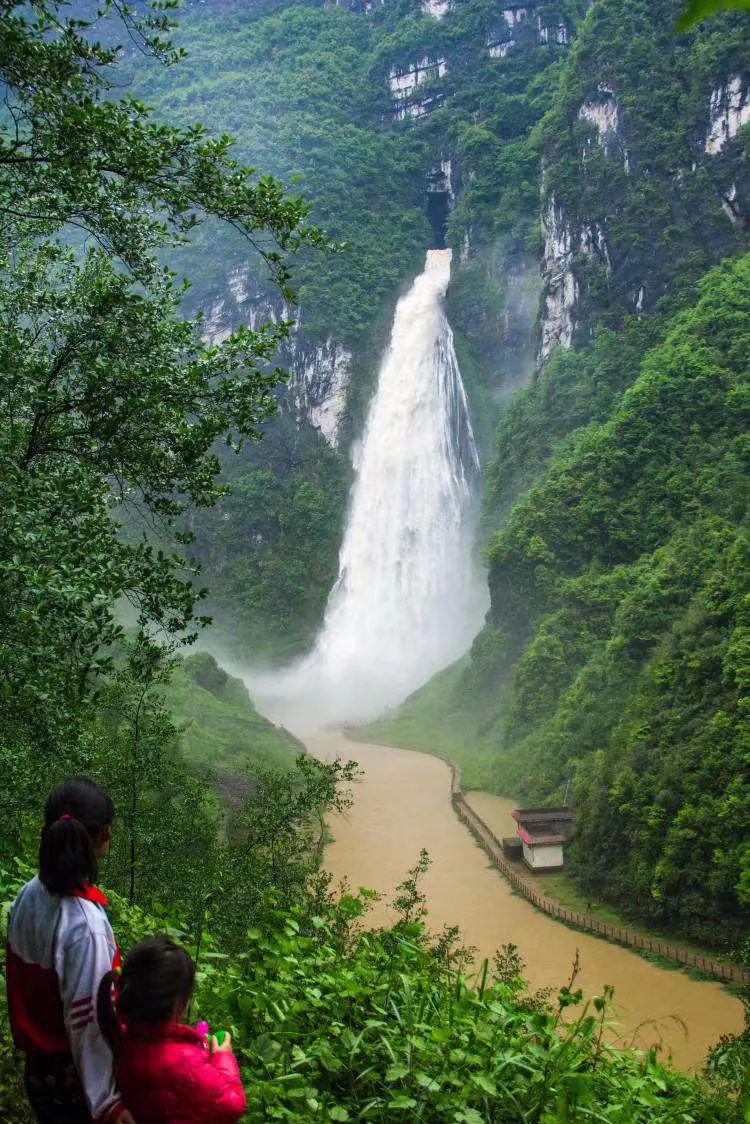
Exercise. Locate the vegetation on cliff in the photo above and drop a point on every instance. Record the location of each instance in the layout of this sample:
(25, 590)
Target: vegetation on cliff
(618, 583)
(614, 664)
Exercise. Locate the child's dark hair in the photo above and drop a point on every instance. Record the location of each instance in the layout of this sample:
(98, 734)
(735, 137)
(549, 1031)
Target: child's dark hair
(75, 813)
(156, 982)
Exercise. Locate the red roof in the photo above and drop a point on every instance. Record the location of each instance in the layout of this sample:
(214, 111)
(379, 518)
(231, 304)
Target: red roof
(544, 826)
(541, 840)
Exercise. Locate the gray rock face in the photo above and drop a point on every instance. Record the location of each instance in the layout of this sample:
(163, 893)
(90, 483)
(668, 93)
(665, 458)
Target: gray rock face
(505, 34)
(561, 288)
(404, 81)
(729, 109)
(319, 374)
(560, 285)
(602, 112)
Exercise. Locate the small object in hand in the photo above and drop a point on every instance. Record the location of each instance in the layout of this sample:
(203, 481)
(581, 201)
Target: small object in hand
(221, 1042)
(203, 1027)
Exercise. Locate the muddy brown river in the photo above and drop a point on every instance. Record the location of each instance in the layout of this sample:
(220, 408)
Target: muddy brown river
(403, 804)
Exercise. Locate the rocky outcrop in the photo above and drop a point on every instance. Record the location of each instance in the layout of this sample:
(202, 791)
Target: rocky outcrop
(419, 108)
(562, 244)
(319, 374)
(436, 8)
(601, 111)
(731, 203)
(560, 284)
(552, 33)
(729, 110)
(403, 82)
(506, 33)
(318, 385)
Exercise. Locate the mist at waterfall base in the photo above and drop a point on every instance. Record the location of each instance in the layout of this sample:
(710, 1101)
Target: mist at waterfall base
(409, 597)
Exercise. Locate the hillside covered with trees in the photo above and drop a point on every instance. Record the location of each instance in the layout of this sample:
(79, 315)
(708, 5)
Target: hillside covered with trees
(607, 143)
(155, 467)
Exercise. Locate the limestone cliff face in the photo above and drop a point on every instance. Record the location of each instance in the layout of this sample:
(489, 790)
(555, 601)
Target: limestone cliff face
(518, 23)
(634, 189)
(319, 383)
(319, 373)
(728, 113)
(404, 81)
(729, 107)
(436, 8)
(603, 113)
(563, 245)
(560, 285)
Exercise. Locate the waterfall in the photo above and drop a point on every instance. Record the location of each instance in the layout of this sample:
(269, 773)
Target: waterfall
(408, 599)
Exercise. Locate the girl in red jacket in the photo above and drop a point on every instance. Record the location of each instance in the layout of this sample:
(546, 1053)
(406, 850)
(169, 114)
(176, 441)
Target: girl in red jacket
(167, 1073)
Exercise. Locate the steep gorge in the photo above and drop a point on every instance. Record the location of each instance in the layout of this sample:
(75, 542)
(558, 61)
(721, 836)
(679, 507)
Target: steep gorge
(587, 165)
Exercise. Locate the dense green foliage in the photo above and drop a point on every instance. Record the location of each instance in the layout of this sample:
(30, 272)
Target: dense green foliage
(270, 548)
(334, 1024)
(615, 665)
(700, 9)
(219, 728)
(108, 397)
(644, 204)
(630, 563)
(290, 88)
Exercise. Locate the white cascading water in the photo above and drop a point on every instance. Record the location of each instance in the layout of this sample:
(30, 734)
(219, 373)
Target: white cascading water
(409, 597)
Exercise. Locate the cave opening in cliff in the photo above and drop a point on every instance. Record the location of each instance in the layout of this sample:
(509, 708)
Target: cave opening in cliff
(438, 209)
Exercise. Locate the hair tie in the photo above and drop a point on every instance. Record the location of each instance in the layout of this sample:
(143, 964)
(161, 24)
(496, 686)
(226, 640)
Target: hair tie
(66, 816)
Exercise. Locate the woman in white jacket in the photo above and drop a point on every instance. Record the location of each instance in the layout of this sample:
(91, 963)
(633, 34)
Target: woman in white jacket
(60, 945)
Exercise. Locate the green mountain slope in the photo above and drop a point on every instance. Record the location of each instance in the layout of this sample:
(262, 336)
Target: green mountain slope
(596, 164)
(217, 723)
(615, 662)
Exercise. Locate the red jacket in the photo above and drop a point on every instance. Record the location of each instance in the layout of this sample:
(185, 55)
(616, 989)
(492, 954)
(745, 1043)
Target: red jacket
(167, 1074)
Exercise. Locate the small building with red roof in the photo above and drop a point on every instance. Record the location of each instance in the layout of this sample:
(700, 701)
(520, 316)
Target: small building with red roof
(543, 833)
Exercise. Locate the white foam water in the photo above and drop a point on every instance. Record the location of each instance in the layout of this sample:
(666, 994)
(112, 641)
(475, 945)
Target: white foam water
(409, 596)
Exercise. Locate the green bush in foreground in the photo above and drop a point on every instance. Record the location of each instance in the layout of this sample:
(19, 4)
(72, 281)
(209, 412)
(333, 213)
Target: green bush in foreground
(332, 1023)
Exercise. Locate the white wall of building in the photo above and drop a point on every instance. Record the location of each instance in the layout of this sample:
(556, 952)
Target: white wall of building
(543, 857)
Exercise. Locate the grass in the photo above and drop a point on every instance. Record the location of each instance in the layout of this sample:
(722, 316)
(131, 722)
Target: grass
(559, 886)
(219, 725)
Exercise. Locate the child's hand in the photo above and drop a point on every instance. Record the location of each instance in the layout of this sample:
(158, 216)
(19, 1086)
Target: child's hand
(221, 1047)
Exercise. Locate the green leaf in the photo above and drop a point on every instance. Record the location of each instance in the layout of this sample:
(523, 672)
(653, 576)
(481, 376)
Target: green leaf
(396, 1072)
(485, 1083)
(699, 10)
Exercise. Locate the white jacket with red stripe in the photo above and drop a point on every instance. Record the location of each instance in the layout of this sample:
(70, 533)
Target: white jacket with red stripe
(58, 950)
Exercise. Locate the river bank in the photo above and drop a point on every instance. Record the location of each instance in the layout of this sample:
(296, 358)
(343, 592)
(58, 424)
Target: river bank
(413, 727)
(559, 888)
(402, 803)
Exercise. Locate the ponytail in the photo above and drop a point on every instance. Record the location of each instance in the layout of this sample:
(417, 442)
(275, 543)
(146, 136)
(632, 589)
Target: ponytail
(154, 986)
(106, 1015)
(75, 814)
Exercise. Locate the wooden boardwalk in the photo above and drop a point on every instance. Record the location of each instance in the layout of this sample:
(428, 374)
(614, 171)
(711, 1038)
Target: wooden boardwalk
(492, 845)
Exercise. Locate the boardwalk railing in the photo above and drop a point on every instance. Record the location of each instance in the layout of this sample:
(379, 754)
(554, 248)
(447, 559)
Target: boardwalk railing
(492, 845)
